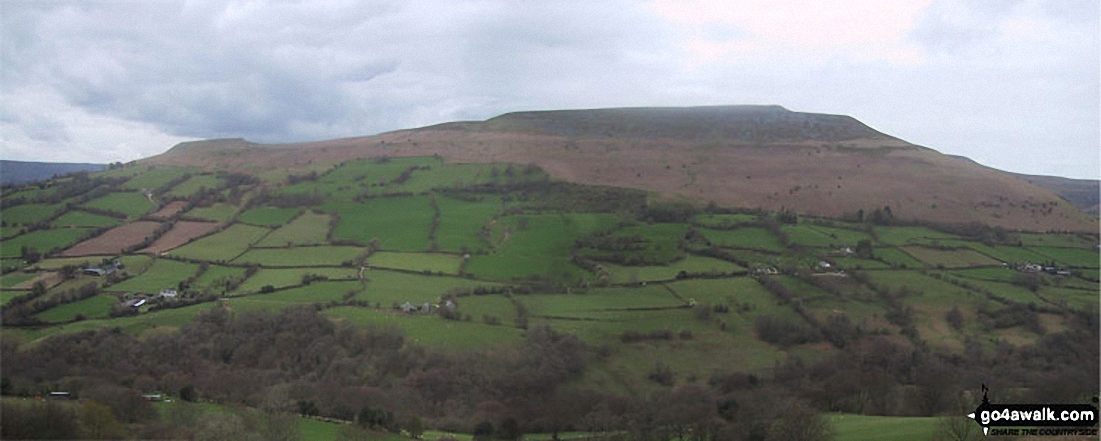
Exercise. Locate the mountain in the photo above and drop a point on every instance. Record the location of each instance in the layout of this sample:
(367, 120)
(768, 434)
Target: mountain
(1082, 193)
(747, 156)
(18, 172)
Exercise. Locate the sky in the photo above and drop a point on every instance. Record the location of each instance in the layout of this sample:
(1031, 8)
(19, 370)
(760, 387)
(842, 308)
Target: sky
(1013, 84)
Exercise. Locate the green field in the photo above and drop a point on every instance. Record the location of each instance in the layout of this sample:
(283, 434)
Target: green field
(461, 222)
(537, 245)
(600, 303)
(653, 244)
(223, 246)
(194, 184)
(92, 307)
(821, 236)
(42, 240)
(362, 222)
(747, 237)
(909, 235)
(283, 277)
(850, 427)
(77, 218)
(1071, 256)
(30, 213)
(215, 213)
(216, 277)
(723, 221)
(268, 216)
(431, 331)
(430, 262)
(154, 177)
(301, 256)
(164, 274)
(957, 258)
(1057, 240)
(317, 292)
(12, 279)
(389, 288)
(132, 204)
(308, 229)
(690, 264)
(896, 257)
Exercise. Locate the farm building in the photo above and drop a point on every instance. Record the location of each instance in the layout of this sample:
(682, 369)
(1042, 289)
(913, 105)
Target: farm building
(168, 293)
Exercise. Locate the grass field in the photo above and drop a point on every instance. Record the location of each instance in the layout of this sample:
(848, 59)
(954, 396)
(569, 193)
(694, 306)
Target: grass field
(538, 245)
(308, 229)
(214, 213)
(194, 184)
(897, 257)
(223, 246)
(748, 237)
(41, 240)
(821, 236)
(462, 221)
(216, 277)
(431, 331)
(268, 216)
(12, 279)
(283, 277)
(132, 204)
(656, 243)
(163, 274)
(723, 220)
(1057, 240)
(361, 222)
(30, 213)
(92, 307)
(154, 177)
(301, 256)
(909, 235)
(850, 427)
(77, 218)
(690, 264)
(431, 262)
(957, 258)
(317, 292)
(1071, 256)
(597, 303)
(387, 288)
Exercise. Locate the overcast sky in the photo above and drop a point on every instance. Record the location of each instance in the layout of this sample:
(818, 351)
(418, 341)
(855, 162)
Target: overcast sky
(1011, 84)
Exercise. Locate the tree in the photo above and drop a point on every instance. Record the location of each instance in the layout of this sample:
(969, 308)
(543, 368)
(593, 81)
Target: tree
(508, 430)
(483, 431)
(98, 421)
(800, 423)
(415, 427)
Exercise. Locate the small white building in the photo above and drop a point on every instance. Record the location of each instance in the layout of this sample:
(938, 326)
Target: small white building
(169, 293)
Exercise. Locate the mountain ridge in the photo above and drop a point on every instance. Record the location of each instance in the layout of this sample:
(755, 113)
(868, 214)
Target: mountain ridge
(747, 156)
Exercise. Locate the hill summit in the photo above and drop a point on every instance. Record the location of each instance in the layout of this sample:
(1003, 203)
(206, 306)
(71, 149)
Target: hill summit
(746, 156)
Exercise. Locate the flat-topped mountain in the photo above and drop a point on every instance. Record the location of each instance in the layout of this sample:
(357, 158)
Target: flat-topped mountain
(748, 156)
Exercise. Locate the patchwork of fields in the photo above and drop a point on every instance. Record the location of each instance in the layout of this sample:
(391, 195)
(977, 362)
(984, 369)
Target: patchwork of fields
(373, 242)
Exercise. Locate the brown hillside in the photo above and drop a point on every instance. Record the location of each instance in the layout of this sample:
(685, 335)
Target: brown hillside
(749, 156)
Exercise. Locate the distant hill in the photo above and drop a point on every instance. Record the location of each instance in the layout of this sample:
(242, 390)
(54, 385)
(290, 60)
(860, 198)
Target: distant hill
(747, 156)
(1083, 193)
(18, 172)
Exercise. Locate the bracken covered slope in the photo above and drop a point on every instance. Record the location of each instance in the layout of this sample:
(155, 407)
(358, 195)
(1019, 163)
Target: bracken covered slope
(746, 156)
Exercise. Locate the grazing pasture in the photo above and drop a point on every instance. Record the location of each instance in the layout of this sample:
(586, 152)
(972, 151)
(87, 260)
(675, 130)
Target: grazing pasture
(462, 222)
(307, 229)
(155, 177)
(388, 288)
(217, 277)
(223, 246)
(1075, 257)
(538, 245)
(953, 258)
(747, 237)
(268, 216)
(42, 240)
(213, 213)
(301, 256)
(132, 204)
(429, 262)
(195, 184)
(283, 277)
(431, 331)
(362, 222)
(168, 210)
(77, 218)
(163, 274)
(690, 264)
(30, 213)
(93, 307)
